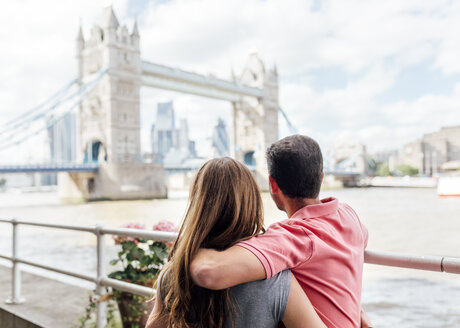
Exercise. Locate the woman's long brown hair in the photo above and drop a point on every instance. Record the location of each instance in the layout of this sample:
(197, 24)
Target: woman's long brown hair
(225, 207)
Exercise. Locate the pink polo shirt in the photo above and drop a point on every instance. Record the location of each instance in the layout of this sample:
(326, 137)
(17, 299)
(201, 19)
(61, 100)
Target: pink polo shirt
(323, 245)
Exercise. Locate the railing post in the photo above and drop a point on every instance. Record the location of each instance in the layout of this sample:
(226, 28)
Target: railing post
(101, 307)
(16, 270)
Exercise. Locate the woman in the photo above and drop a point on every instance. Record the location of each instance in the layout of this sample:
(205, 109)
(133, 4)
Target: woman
(225, 207)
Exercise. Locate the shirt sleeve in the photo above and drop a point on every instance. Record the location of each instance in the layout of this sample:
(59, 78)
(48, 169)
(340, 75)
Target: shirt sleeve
(284, 245)
(365, 234)
(361, 225)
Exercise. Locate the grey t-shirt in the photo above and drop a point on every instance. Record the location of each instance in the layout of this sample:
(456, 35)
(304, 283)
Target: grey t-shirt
(259, 303)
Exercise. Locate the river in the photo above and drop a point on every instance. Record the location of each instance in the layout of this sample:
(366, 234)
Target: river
(413, 221)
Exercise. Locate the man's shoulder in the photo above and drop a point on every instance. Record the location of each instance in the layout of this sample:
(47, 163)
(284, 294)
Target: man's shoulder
(286, 229)
(290, 224)
(346, 206)
(349, 214)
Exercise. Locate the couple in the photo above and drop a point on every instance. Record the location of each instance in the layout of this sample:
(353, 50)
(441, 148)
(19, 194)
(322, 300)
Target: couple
(305, 271)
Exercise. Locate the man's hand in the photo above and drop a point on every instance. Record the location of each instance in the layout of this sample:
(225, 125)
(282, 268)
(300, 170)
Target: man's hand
(365, 321)
(219, 270)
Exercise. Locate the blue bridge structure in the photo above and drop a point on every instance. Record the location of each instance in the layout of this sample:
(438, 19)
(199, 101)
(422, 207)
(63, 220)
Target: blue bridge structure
(50, 168)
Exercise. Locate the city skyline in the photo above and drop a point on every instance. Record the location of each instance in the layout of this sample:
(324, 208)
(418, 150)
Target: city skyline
(385, 85)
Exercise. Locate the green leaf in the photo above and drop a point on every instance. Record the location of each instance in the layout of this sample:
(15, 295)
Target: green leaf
(137, 253)
(159, 251)
(145, 261)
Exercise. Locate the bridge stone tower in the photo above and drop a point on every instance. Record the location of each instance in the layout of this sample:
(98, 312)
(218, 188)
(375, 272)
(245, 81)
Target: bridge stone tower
(256, 120)
(109, 118)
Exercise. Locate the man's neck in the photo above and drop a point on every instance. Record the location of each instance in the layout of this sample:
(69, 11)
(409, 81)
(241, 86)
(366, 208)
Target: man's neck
(292, 205)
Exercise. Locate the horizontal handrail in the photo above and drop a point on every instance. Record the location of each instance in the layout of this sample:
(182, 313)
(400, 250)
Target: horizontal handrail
(127, 287)
(84, 228)
(139, 233)
(64, 272)
(419, 262)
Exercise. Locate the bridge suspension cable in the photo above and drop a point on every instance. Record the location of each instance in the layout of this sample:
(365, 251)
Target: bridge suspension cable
(52, 112)
(25, 115)
(46, 110)
(291, 126)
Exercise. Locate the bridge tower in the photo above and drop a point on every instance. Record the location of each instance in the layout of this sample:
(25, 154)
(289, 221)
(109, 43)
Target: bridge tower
(109, 118)
(255, 121)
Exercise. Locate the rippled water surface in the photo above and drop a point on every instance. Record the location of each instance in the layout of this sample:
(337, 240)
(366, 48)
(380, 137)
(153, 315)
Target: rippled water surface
(399, 220)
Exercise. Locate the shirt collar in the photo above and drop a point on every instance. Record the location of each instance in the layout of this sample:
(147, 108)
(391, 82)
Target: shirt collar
(327, 206)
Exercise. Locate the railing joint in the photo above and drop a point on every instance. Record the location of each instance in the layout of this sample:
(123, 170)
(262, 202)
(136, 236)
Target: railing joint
(98, 230)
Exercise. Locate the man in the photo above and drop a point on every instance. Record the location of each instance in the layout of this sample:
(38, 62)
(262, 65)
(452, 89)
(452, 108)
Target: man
(322, 241)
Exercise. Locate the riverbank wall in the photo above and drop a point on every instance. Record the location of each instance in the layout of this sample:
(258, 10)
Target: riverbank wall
(48, 303)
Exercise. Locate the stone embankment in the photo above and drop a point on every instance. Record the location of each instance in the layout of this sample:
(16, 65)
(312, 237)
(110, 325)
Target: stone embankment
(49, 303)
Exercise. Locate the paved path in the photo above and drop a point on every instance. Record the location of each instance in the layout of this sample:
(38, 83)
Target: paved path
(49, 303)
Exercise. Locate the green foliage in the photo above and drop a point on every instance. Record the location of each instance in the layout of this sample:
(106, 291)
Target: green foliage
(89, 319)
(2, 182)
(141, 260)
(382, 170)
(407, 169)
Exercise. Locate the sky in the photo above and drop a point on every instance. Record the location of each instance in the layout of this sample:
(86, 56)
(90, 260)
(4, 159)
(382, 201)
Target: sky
(382, 73)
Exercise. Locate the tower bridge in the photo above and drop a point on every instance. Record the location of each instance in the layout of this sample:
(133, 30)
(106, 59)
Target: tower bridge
(109, 116)
(107, 103)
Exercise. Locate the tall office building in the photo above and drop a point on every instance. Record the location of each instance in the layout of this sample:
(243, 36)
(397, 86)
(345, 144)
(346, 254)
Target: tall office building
(62, 135)
(168, 142)
(62, 139)
(220, 140)
(162, 133)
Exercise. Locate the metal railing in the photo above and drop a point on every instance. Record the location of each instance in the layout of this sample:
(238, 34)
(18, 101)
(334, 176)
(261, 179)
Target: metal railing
(101, 280)
(428, 263)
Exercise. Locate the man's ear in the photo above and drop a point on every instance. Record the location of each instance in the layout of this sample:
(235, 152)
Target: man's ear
(273, 185)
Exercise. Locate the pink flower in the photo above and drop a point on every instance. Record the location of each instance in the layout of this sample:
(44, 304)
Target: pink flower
(165, 225)
(133, 225)
(121, 239)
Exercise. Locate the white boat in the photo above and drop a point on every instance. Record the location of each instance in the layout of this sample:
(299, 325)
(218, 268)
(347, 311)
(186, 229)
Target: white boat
(449, 186)
(403, 182)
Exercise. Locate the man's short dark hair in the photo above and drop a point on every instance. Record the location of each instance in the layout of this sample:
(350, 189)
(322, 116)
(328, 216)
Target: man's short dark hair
(296, 164)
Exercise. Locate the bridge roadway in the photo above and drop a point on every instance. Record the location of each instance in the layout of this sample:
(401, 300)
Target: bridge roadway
(94, 167)
(50, 168)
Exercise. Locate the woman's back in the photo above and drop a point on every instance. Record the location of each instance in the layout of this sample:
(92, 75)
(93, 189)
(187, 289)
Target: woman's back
(257, 304)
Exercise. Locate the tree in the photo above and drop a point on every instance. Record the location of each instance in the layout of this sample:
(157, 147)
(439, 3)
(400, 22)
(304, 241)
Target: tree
(2, 182)
(406, 169)
(382, 169)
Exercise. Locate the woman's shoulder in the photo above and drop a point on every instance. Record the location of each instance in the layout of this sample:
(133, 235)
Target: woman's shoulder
(281, 280)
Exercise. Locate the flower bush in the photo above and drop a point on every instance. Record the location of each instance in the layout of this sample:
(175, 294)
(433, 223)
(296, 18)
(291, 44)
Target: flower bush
(141, 259)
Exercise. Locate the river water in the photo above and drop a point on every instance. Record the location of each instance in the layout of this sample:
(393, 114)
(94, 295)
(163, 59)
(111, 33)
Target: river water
(413, 221)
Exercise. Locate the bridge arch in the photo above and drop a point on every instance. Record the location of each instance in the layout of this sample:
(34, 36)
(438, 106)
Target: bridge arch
(249, 159)
(95, 152)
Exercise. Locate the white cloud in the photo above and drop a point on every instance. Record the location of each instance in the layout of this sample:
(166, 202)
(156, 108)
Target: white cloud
(371, 41)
